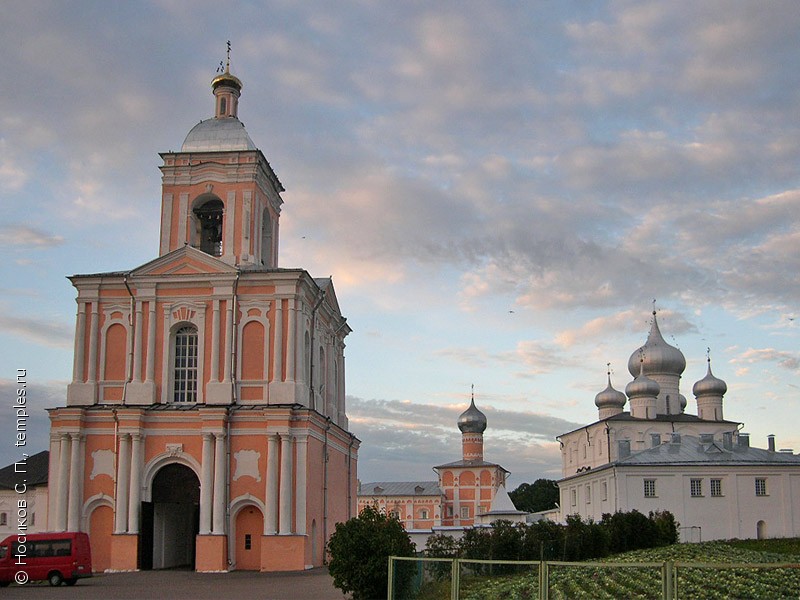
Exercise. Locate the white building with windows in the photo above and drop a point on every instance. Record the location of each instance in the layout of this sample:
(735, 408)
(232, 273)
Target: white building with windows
(655, 456)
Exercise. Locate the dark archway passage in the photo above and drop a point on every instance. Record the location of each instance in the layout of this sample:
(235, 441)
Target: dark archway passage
(170, 523)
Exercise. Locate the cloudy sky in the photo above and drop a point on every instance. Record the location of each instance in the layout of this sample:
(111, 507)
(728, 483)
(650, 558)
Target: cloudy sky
(500, 191)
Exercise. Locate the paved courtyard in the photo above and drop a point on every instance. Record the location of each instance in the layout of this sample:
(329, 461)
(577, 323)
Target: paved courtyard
(315, 584)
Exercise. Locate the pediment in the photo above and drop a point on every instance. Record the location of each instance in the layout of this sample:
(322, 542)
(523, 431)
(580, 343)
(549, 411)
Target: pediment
(184, 261)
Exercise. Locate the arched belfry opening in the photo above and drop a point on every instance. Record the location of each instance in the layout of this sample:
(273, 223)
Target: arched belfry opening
(209, 216)
(170, 523)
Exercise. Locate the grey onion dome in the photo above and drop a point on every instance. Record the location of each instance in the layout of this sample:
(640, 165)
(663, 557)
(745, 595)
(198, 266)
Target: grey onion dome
(472, 420)
(684, 402)
(642, 386)
(610, 398)
(710, 385)
(218, 135)
(659, 356)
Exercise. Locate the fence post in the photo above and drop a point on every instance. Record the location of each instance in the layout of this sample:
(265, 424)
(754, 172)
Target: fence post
(668, 581)
(544, 581)
(390, 586)
(455, 580)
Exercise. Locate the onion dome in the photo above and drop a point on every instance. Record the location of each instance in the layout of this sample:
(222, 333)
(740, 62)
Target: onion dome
(472, 420)
(657, 356)
(226, 78)
(610, 398)
(710, 385)
(642, 386)
(683, 402)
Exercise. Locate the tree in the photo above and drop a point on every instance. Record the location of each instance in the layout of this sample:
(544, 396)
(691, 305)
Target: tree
(360, 549)
(542, 494)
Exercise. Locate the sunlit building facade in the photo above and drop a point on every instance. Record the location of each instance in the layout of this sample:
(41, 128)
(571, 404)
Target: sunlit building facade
(205, 424)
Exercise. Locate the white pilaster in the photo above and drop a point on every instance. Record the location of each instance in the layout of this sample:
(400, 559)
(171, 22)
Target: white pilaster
(80, 340)
(285, 507)
(219, 484)
(62, 489)
(271, 522)
(75, 475)
(95, 327)
(134, 494)
(228, 340)
(123, 484)
(277, 351)
(206, 484)
(137, 343)
(151, 341)
(300, 493)
(291, 341)
(215, 342)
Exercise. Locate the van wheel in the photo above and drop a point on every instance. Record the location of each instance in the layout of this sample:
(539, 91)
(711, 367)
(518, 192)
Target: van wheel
(71, 581)
(55, 578)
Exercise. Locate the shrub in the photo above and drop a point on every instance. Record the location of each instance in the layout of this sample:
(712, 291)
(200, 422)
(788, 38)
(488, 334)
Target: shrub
(360, 549)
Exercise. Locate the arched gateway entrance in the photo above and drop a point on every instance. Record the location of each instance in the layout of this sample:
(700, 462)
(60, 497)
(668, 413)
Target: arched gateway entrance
(170, 522)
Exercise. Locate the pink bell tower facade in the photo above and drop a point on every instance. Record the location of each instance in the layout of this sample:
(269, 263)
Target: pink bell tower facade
(205, 424)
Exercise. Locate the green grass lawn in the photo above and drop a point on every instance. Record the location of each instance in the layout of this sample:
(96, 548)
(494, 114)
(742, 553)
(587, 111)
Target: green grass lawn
(640, 582)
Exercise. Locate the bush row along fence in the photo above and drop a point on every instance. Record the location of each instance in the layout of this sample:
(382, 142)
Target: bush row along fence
(642, 580)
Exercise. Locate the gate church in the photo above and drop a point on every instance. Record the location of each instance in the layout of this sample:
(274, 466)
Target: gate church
(205, 423)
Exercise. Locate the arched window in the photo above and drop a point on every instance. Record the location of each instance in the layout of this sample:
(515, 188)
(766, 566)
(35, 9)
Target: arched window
(185, 366)
(209, 218)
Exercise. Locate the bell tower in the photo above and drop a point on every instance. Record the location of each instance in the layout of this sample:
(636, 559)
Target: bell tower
(219, 193)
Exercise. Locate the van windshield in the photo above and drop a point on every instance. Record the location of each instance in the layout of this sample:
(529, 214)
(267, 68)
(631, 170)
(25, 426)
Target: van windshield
(3, 552)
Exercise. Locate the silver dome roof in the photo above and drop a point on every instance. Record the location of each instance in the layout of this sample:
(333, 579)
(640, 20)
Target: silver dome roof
(472, 420)
(218, 135)
(710, 385)
(642, 386)
(610, 397)
(659, 356)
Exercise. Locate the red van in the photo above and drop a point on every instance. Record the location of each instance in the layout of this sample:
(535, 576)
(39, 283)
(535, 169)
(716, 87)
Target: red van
(55, 557)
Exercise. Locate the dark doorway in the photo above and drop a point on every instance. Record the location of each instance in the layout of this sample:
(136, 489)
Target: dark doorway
(171, 522)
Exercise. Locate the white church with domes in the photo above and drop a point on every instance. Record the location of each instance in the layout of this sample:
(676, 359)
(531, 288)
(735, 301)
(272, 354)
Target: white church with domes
(655, 456)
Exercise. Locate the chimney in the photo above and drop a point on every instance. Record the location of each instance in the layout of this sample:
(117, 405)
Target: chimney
(727, 440)
(655, 440)
(675, 439)
(744, 440)
(771, 442)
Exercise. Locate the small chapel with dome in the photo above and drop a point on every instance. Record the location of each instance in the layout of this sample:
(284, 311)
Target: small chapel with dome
(469, 491)
(657, 456)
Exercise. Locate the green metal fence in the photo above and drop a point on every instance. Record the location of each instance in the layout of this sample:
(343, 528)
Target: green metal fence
(467, 579)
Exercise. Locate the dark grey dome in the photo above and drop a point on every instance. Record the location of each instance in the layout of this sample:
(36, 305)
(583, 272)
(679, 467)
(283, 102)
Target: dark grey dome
(642, 386)
(472, 420)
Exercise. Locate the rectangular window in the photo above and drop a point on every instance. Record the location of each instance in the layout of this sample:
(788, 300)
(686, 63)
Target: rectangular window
(761, 486)
(465, 512)
(450, 512)
(716, 488)
(605, 490)
(423, 514)
(588, 494)
(649, 488)
(574, 497)
(248, 541)
(696, 488)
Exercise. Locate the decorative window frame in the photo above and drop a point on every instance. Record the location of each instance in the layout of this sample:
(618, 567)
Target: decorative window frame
(177, 315)
(245, 306)
(108, 321)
